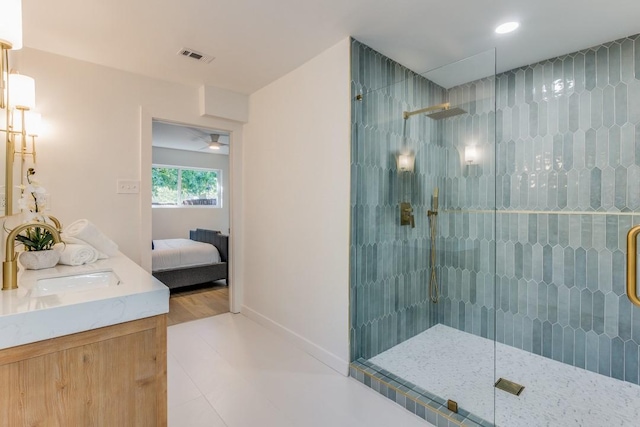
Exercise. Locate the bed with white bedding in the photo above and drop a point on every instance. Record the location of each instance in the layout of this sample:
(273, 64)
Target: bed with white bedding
(170, 254)
(184, 262)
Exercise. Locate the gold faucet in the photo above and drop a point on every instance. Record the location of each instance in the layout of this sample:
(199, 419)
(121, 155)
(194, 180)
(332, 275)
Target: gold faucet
(10, 264)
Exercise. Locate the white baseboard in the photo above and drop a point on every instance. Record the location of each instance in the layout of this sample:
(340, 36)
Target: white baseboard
(324, 356)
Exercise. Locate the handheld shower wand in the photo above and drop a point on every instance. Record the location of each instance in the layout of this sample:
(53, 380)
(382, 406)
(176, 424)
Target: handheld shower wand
(432, 214)
(435, 199)
(434, 203)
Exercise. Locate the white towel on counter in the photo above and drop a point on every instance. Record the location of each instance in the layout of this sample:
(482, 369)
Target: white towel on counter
(73, 241)
(84, 230)
(75, 254)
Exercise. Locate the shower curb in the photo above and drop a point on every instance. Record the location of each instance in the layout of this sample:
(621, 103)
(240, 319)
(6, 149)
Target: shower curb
(411, 397)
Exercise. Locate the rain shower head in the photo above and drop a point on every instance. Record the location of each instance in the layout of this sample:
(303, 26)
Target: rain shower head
(446, 113)
(437, 112)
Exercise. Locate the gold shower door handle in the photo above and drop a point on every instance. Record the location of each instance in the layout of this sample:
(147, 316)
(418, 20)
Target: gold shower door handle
(632, 260)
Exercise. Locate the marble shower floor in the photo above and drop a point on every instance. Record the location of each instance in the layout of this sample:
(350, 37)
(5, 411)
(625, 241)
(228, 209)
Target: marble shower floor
(460, 366)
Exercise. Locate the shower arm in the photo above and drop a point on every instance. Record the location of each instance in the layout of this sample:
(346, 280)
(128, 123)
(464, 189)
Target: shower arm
(408, 114)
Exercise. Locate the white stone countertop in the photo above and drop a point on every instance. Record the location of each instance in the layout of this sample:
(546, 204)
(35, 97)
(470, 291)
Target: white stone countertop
(26, 317)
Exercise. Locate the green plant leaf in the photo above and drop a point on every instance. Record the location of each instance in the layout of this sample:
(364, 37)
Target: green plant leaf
(36, 239)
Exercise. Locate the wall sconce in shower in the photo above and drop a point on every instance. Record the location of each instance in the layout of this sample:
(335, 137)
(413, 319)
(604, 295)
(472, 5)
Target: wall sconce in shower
(406, 162)
(471, 155)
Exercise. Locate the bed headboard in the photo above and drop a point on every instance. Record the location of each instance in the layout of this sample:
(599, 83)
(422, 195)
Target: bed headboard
(220, 241)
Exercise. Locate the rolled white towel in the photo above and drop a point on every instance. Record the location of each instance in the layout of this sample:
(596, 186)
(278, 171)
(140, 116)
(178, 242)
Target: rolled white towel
(84, 230)
(74, 254)
(73, 241)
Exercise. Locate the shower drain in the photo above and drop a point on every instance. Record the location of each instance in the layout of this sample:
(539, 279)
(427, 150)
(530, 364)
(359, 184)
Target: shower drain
(509, 386)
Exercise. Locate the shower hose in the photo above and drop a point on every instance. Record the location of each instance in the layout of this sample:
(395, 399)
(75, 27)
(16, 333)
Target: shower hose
(433, 281)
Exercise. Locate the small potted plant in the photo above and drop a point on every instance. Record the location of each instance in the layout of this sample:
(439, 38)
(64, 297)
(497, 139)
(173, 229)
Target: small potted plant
(38, 242)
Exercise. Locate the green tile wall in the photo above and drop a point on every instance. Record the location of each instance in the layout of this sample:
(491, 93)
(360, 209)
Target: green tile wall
(389, 302)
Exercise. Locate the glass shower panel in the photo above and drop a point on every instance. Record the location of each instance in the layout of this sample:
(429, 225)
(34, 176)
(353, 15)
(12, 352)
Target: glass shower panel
(423, 310)
(567, 194)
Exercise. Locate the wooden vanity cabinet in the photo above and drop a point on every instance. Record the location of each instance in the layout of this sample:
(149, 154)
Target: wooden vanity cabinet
(111, 376)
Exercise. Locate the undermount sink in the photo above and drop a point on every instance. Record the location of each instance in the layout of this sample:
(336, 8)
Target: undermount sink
(75, 282)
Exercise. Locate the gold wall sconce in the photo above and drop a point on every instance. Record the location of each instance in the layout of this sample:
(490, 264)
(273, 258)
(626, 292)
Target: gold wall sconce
(406, 162)
(24, 123)
(471, 155)
(18, 98)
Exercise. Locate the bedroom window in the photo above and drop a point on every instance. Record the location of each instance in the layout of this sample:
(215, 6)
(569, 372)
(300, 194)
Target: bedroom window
(179, 186)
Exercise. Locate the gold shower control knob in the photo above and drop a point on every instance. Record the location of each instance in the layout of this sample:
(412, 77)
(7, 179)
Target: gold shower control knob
(406, 214)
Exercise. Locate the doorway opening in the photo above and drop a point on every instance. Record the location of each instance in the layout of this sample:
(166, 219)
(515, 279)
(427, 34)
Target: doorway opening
(190, 218)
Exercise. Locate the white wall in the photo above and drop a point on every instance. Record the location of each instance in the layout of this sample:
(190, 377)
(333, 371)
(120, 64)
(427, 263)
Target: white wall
(296, 182)
(99, 130)
(175, 222)
(290, 217)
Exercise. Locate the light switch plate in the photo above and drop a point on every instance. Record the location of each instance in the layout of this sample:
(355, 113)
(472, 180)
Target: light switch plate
(128, 186)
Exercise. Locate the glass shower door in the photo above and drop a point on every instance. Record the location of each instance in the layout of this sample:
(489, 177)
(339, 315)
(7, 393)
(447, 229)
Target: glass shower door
(567, 194)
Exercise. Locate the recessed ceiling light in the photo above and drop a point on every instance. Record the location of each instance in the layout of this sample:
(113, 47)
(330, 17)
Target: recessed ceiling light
(507, 27)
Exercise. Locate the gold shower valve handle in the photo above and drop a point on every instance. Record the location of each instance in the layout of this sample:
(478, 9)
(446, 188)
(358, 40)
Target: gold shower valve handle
(632, 260)
(406, 215)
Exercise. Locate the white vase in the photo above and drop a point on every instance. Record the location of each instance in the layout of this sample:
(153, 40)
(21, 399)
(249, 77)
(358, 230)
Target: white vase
(37, 260)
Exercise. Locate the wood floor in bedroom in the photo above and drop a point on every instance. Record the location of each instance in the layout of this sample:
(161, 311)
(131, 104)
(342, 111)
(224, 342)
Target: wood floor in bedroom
(198, 302)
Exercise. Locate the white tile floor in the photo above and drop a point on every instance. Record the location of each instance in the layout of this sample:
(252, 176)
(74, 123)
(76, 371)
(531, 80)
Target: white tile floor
(229, 371)
(460, 366)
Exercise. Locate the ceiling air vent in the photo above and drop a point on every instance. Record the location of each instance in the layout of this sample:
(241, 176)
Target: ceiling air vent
(194, 54)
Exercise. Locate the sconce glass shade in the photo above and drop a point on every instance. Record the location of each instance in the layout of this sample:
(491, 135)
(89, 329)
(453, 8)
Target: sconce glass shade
(406, 162)
(32, 123)
(11, 23)
(22, 92)
(471, 154)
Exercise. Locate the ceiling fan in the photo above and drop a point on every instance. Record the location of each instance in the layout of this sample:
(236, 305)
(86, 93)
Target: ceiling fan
(213, 140)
